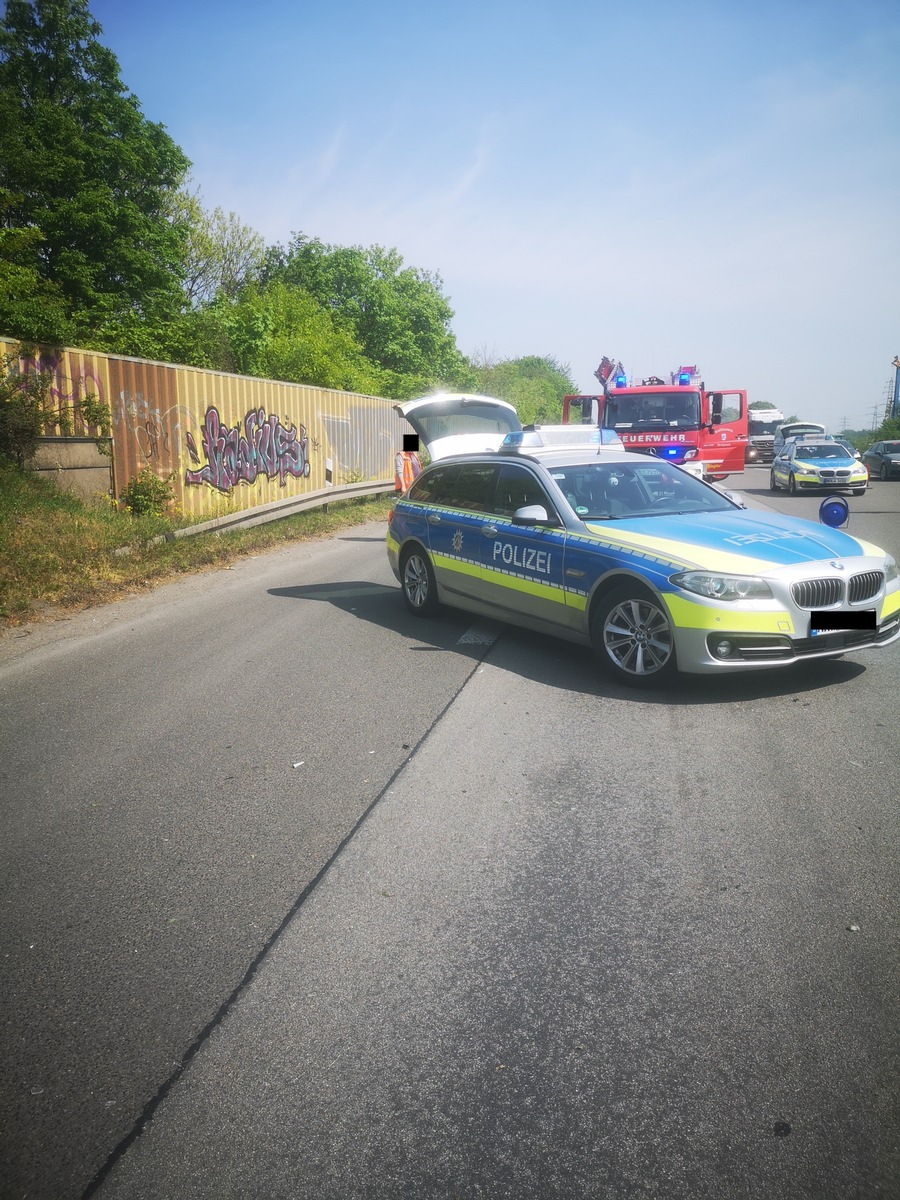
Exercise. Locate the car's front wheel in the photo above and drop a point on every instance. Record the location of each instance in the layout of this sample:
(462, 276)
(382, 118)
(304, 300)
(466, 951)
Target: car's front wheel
(884, 473)
(632, 636)
(417, 582)
(792, 485)
(773, 486)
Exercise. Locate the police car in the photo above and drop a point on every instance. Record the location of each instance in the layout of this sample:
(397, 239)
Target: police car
(654, 568)
(816, 463)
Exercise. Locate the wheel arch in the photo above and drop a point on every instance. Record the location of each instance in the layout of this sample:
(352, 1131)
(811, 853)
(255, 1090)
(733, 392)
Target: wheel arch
(614, 580)
(407, 546)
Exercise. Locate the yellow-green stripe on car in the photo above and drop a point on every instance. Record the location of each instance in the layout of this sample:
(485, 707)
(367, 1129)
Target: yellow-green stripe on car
(516, 583)
(687, 614)
(460, 566)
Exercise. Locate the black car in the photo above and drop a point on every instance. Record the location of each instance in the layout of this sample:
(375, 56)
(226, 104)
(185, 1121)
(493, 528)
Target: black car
(848, 446)
(883, 460)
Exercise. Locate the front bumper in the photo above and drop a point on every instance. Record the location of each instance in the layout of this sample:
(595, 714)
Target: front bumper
(696, 650)
(813, 483)
(772, 633)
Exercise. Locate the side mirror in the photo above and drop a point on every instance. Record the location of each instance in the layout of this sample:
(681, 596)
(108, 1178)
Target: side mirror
(531, 514)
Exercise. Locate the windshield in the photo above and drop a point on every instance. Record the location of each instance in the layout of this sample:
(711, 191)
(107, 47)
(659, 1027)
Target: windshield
(828, 450)
(759, 425)
(655, 410)
(802, 430)
(892, 447)
(618, 491)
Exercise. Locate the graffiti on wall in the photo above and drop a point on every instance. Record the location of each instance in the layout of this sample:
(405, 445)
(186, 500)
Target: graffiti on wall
(265, 446)
(147, 422)
(65, 390)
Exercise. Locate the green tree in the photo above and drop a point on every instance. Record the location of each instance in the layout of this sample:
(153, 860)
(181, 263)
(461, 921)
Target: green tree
(534, 385)
(889, 430)
(398, 315)
(87, 181)
(27, 302)
(221, 254)
(280, 332)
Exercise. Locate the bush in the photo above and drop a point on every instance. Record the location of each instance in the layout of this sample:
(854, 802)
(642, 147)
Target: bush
(147, 493)
(25, 408)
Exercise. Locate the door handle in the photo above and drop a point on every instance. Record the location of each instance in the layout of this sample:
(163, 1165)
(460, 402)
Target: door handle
(434, 519)
(489, 530)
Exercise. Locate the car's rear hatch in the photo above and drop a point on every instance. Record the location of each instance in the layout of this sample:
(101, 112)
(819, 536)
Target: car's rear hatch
(456, 422)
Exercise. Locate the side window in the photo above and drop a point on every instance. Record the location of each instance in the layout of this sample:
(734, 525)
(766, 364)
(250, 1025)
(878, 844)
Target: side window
(474, 488)
(434, 487)
(517, 488)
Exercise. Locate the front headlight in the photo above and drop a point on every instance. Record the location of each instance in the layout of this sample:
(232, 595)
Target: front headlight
(891, 570)
(722, 587)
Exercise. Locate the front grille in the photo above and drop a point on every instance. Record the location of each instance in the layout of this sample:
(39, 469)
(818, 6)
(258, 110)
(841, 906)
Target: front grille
(827, 473)
(817, 593)
(865, 586)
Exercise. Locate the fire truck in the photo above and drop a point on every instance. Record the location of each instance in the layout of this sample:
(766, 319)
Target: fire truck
(678, 420)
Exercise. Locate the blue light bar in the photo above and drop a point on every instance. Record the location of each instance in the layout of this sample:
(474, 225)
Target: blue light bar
(621, 381)
(560, 436)
(684, 379)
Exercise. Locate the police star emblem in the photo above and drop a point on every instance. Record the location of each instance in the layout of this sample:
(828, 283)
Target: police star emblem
(457, 541)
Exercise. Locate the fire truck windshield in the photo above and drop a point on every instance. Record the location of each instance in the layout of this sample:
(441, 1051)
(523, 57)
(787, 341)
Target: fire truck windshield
(655, 410)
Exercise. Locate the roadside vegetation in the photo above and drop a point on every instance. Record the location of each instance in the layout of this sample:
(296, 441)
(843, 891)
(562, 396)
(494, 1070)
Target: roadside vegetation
(106, 244)
(59, 554)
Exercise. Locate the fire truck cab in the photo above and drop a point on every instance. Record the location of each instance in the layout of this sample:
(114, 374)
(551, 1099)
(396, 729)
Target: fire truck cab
(680, 420)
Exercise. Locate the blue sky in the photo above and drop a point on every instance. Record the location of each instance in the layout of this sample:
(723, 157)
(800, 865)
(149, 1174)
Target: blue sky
(667, 183)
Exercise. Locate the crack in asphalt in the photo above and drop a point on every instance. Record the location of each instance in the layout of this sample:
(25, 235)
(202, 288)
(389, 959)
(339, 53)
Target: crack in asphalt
(228, 1003)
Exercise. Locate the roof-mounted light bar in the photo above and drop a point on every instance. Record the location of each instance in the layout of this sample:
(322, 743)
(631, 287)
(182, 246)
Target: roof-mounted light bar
(543, 437)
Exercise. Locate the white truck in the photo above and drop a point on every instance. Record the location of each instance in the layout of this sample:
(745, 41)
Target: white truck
(762, 425)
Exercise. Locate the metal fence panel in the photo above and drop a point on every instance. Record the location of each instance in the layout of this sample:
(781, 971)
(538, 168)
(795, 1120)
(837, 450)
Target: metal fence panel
(228, 442)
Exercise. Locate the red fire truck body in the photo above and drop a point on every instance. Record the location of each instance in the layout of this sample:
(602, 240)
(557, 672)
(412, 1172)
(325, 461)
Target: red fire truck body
(680, 421)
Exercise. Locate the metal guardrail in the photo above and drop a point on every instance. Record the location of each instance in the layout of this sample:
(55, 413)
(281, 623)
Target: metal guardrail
(277, 510)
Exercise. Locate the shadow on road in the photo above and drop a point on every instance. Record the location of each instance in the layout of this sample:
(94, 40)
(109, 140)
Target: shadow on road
(560, 664)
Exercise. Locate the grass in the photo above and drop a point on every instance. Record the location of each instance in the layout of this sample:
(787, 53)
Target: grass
(58, 553)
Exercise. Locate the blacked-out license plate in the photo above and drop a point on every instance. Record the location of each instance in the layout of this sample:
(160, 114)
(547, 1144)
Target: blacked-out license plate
(840, 622)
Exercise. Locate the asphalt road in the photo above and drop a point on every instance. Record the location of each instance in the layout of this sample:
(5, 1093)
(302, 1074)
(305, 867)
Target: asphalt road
(494, 927)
